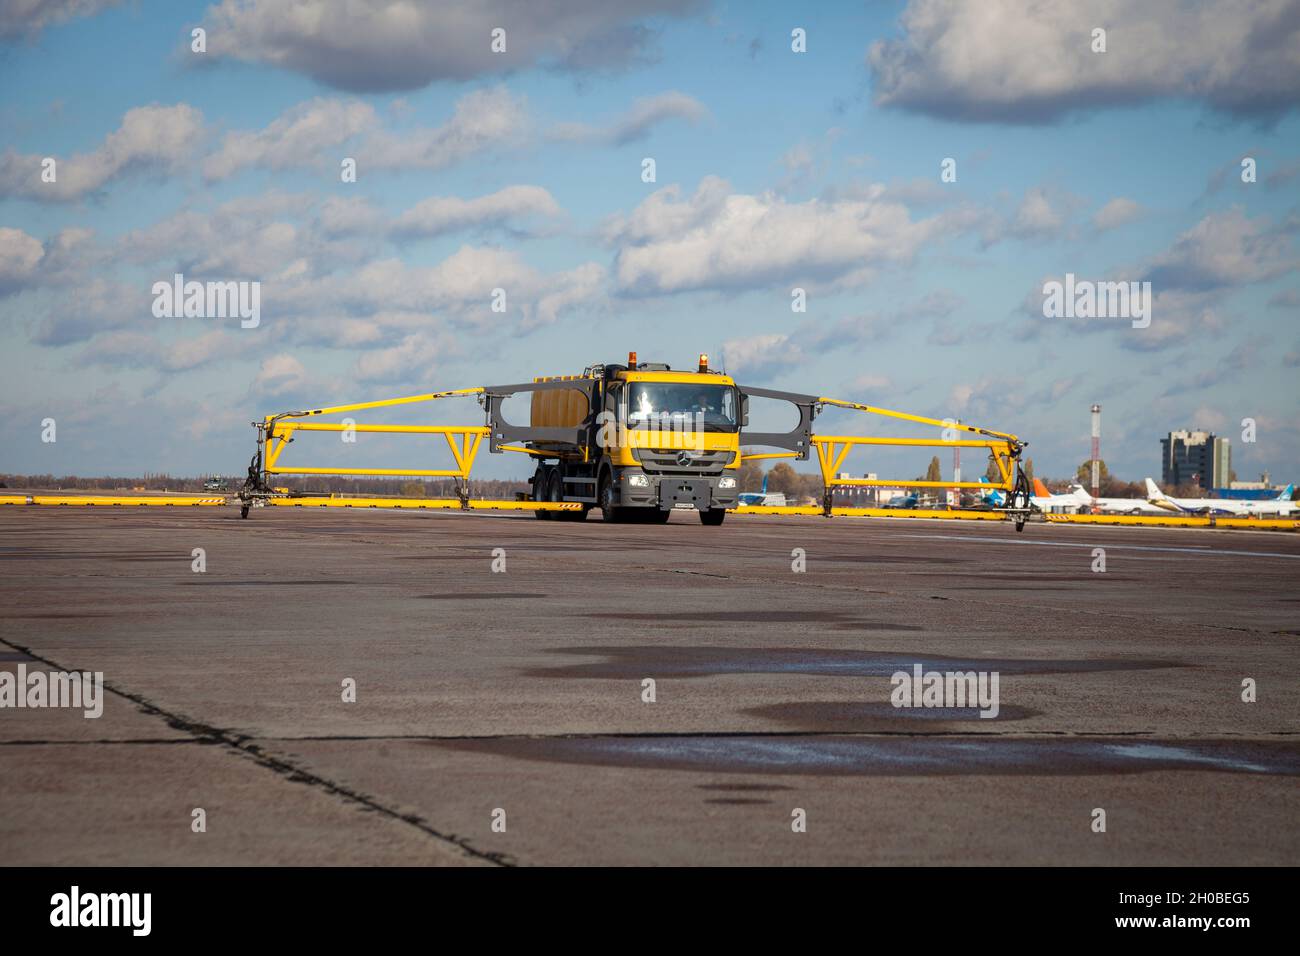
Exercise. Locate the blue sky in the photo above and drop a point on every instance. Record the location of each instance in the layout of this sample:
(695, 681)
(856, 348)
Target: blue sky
(775, 170)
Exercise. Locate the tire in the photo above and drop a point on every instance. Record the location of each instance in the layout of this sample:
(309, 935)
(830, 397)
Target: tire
(605, 498)
(541, 488)
(713, 517)
(657, 516)
(555, 493)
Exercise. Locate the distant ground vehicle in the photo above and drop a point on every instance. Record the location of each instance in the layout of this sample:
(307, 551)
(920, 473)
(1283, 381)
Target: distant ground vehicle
(216, 483)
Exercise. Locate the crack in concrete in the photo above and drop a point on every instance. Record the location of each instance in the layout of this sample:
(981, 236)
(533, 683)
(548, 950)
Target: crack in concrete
(202, 733)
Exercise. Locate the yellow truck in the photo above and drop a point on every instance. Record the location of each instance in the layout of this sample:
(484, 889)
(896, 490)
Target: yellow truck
(638, 441)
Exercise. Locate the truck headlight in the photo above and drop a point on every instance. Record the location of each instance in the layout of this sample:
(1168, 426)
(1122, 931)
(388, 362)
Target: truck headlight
(726, 482)
(638, 481)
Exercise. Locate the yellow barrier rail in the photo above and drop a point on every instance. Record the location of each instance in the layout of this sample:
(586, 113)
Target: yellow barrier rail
(110, 501)
(1179, 521)
(434, 504)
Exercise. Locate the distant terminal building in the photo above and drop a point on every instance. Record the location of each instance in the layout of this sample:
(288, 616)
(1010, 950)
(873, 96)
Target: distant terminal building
(1195, 458)
(1261, 490)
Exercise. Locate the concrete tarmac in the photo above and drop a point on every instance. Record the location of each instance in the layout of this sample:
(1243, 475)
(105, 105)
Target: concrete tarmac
(515, 697)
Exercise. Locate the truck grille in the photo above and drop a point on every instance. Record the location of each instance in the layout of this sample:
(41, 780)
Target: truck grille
(663, 461)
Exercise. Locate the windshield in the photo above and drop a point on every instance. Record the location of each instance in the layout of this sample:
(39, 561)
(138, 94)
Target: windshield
(670, 404)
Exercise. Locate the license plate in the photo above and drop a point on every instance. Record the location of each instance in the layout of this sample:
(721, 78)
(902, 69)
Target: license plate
(683, 506)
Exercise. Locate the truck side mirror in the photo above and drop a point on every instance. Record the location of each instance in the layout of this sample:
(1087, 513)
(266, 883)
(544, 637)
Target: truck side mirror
(744, 410)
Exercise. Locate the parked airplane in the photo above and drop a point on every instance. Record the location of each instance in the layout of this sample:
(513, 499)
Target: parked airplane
(1196, 506)
(775, 499)
(994, 497)
(1116, 506)
(1069, 503)
(901, 500)
(1077, 500)
(1282, 506)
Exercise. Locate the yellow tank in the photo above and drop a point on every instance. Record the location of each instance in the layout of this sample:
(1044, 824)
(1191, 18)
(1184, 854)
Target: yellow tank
(560, 408)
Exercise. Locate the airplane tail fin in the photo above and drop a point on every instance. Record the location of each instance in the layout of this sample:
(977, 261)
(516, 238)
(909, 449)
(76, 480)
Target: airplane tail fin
(1287, 492)
(1153, 492)
(764, 488)
(1040, 489)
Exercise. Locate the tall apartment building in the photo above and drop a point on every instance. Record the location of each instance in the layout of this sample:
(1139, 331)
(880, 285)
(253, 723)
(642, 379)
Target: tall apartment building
(1195, 457)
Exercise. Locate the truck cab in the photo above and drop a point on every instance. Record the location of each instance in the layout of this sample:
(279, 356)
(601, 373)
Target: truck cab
(674, 444)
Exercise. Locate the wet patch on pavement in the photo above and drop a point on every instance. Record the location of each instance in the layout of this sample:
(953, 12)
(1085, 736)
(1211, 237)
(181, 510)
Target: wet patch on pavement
(845, 716)
(896, 756)
(478, 596)
(661, 660)
(262, 584)
(839, 620)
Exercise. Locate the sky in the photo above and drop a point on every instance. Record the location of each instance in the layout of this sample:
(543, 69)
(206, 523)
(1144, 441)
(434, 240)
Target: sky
(919, 169)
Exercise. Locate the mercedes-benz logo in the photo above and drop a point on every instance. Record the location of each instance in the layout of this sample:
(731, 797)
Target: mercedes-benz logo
(684, 458)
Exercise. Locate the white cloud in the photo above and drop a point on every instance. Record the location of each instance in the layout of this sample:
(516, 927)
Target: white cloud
(482, 120)
(1115, 213)
(301, 136)
(20, 254)
(254, 237)
(313, 134)
(415, 359)
(348, 216)
(717, 240)
(372, 46)
(1225, 248)
(150, 137)
(760, 356)
(30, 17)
(280, 374)
(646, 113)
(462, 285)
(442, 214)
(207, 348)
(1036, 217)
(1007, 61)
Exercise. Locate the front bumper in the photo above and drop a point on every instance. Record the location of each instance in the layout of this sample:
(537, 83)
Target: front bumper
(671, 493)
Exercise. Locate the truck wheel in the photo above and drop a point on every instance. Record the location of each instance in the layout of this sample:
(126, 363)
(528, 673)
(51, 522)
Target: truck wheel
(659, 517)
(555, 493)
(608, 511)
(541, 487)
(713, 516)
